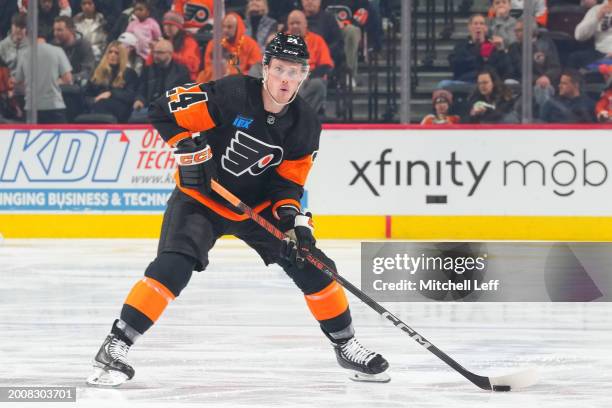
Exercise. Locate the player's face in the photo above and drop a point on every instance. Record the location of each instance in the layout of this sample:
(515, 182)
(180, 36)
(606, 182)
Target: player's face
(284, 77)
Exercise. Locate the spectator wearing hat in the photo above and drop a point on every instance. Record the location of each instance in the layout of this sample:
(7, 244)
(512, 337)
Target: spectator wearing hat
(239, 51)
(129, 42)
(259, 25)
(186, 49)
(442, 101)
(603, 108)
(91, 24)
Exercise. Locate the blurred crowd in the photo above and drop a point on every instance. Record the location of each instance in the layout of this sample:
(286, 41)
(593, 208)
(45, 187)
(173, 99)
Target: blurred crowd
(104, 61)
(572, 65)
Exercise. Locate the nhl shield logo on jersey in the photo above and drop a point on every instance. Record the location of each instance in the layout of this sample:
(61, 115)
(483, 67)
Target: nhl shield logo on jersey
(247, 154)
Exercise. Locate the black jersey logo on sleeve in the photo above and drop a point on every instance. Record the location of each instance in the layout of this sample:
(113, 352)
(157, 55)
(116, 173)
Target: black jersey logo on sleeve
(247, 154)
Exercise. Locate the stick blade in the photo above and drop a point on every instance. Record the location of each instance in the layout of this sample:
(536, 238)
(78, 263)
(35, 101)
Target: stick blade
(522, 379)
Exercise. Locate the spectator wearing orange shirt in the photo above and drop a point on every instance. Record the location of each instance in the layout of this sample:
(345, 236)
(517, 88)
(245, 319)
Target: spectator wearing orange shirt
(603, 108)
(197, 13)
(240, 52)
(186, 49)
(314, 89)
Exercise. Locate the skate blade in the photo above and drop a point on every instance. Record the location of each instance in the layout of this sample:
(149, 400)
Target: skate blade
(106, 378)
(363, 377)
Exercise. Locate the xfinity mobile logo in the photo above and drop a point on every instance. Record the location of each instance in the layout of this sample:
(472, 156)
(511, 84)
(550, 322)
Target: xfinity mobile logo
(564, 173)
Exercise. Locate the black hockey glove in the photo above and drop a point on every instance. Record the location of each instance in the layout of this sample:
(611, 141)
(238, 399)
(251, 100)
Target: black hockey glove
(299, 228)
(195, 165)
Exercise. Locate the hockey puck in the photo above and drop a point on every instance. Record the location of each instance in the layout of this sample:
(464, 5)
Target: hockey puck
(501, 388)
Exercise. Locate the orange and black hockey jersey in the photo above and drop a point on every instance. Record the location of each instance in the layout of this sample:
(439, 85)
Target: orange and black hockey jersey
(261, 157)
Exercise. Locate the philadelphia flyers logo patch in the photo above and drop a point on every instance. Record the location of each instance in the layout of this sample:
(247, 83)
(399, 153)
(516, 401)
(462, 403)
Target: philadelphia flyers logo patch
(245, 154)
(196, 12)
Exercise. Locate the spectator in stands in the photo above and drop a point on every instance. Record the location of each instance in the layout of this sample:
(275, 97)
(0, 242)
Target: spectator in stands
(280, 9)
(259, 25)
(471, 55)
(186, 48)
(197, 14)
(120, 24)
(603, 108)
(323, 23)
(546, 65)
(111, 10)
(48, 11)
(165, 73)
(597, 24)
(501, 25)
(57, 71)
(442, 100)
(9, 107)
(240, 52)
(7, 10)
(314, 88)
(77, 49)
(571, 106)
(113, 84)
(144, 27)
(15, 44)
(491, 101)
(129, 42)
(91, 25)
(540, 11)
(350, 24)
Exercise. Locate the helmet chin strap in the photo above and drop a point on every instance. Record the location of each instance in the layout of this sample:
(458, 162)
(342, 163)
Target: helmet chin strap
(265, 85)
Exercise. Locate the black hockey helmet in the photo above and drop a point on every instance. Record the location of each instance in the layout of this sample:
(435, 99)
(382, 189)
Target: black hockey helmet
(287, 47)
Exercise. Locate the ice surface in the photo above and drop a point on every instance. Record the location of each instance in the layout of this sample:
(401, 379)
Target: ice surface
(241, 335)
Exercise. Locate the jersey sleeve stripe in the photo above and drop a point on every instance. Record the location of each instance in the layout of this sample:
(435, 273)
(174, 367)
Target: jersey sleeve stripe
(196, 118)
(215, 206)
(288, 201)
(175, 139)
(296, 170)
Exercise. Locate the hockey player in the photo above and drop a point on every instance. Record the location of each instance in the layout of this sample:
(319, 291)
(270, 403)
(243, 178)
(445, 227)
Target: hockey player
(258, 139)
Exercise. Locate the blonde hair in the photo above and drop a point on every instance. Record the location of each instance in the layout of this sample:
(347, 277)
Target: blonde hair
(103, 72)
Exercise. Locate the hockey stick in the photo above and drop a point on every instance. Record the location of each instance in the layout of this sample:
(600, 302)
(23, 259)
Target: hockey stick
(502, 383)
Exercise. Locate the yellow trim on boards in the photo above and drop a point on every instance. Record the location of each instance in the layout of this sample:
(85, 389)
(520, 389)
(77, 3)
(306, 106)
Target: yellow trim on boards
(442, 228)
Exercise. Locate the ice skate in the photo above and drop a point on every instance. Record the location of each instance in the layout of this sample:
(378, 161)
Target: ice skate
(367, 365)
(111, 367)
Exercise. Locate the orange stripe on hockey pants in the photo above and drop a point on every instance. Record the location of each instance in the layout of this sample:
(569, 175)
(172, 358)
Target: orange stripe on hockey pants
(328, 303)
(149, 297)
